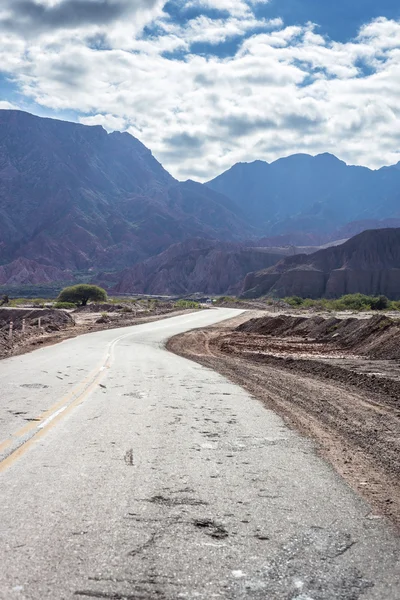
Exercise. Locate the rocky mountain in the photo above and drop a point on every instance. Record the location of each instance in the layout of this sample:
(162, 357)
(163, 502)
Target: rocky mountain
(302, 193)
(197, 265)
(368, 263)
(76, 197)
(28, 272)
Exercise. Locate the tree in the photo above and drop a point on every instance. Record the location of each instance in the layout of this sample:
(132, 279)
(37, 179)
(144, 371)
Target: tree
(81, 294)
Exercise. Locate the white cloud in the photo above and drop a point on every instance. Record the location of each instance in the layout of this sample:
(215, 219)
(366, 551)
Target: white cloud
(5, 105)
(109, 122)
(285, 90)
(233, 7)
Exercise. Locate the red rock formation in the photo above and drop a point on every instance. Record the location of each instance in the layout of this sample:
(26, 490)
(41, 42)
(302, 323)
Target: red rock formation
(197, 265)
(28, 272)
(369, 264)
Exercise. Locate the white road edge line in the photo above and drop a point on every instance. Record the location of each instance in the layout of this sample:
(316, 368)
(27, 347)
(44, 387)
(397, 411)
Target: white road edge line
(53, 416)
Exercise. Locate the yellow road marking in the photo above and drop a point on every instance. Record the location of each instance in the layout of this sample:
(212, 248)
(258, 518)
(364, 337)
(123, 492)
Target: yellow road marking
(10, 460)
(5, 445)
(34, 424)
(97, 374)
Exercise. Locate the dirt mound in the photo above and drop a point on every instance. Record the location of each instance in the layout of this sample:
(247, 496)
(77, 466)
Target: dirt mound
(376, 337)
(50, 319)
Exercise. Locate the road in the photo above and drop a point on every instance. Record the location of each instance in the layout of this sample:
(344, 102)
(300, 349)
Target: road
(129, 472)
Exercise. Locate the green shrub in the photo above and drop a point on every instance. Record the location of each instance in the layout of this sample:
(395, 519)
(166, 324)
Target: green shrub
(187, 304)
(294, 300)
(81, 294)
(380, 303)
(353, 302)
(395, 305)
(64, 305)
(356, 302)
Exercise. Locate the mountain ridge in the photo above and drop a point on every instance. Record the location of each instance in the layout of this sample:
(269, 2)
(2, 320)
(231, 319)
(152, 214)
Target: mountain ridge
(76, 197)
(313, 194)
(368, 263)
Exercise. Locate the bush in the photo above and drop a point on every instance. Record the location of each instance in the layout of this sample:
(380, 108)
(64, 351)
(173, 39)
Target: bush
(187, 304)
(395, 305)
(353, 302)
(356, 302)
(294, 301)
(81, 294)
(380, 303)
(64, 305)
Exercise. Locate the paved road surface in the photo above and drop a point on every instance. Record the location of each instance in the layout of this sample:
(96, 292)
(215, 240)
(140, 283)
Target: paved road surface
(150, 477)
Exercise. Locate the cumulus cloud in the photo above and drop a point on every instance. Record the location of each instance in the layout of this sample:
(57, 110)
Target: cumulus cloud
(281, 90)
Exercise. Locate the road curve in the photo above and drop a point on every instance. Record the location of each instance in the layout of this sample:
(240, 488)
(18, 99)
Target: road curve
(129, 472)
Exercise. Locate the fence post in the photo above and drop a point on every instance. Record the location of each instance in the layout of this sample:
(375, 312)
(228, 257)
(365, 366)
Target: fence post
(10, 331)
(40, 322)
(23, 325)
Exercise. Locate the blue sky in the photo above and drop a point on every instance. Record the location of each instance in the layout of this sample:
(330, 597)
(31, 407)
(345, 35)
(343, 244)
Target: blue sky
(207, 83)
(339, 19)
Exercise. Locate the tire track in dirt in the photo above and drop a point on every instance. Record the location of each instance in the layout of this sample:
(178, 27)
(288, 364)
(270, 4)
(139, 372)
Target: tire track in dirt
(357, 427)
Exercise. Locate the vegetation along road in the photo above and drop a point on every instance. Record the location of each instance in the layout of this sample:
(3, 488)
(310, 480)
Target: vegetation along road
(129, 472)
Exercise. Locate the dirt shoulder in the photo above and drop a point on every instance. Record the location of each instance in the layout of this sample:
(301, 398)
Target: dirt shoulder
(349, 404)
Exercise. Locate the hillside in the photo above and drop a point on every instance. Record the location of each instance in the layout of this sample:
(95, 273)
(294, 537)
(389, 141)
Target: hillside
(318, 195)
(195, 266)
(368, 263)
(76, 197)
(28, 272)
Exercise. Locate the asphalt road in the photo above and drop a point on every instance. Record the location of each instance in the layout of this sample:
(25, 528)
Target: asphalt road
(128, 472)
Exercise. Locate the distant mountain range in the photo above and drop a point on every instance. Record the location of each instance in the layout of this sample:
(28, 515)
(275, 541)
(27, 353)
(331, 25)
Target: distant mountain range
(310, 194)
(197, 265)
(76, 201)
(368, 263)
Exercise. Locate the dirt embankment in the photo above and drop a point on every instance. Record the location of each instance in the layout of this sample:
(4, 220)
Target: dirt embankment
(29, 326)
(376, 337)
(335, 380)
(57, 325)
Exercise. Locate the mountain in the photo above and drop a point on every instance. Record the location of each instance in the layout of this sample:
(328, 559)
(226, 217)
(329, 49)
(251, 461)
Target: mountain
(368, 263)
(304, 239)
(313, 194)
(76, 197)
(28, 272)
(197, 265)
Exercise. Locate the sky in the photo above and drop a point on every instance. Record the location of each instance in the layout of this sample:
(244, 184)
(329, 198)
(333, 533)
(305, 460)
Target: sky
(209, 83)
